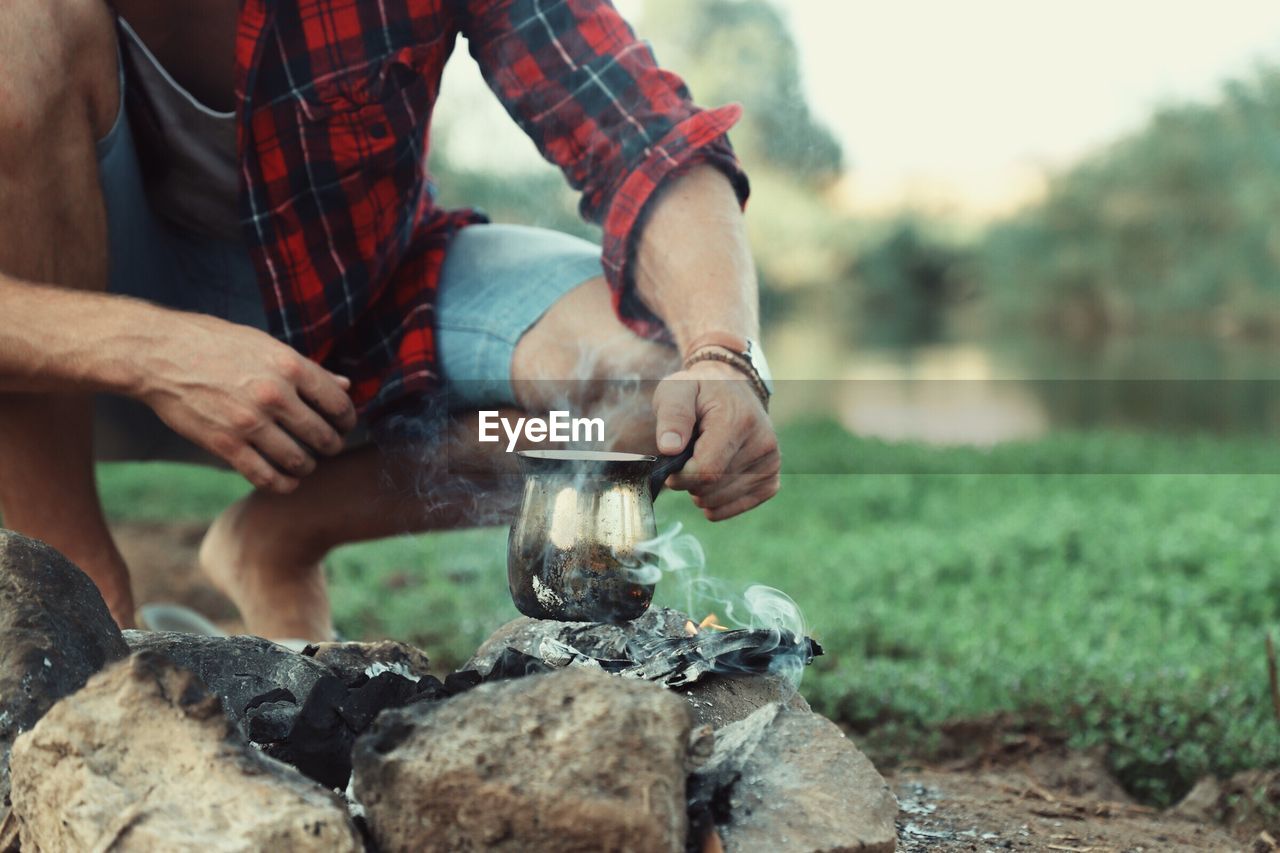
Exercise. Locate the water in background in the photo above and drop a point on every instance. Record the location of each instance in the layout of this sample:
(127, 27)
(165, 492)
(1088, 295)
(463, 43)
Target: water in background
(976, 388)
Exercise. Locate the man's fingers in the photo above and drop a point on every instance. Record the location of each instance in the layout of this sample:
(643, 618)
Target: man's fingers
(310, 428)
(739, 489)
(740, 480)
(744, 503)
(283, 451)
(718, 444)
(250, 465)
(674, 402)
(325, 392)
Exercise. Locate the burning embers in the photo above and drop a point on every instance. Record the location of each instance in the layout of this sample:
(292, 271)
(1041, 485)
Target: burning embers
(709, 622)
(677, 661)
(663, 646)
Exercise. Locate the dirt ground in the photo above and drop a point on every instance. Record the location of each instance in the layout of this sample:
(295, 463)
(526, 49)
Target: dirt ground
(162, 560)
(1010, 808)
(1042, 797)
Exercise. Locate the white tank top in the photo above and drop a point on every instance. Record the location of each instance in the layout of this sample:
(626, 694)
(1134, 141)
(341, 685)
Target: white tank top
(187, 150)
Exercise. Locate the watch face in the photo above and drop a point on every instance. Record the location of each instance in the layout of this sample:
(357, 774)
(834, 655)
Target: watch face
(755, 355)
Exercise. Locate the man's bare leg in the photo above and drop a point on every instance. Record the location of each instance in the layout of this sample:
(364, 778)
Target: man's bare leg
(265, 551)
(58, 61)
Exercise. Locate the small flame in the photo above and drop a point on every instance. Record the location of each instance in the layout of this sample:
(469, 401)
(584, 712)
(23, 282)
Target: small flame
(712, 621)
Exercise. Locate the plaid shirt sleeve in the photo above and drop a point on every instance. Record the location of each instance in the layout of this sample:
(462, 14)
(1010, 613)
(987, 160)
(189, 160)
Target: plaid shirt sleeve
(592, 98)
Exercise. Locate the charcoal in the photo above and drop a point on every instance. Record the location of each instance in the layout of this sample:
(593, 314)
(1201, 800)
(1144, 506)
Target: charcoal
(462, 681)
(318, 738)
(431, 689)
(269, 721)
(386, 690)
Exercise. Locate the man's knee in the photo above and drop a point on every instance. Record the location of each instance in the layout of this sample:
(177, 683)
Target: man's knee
(58, 61)
(581, 339)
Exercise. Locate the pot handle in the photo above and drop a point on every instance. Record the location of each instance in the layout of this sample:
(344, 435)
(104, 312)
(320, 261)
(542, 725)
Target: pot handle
(668, 465)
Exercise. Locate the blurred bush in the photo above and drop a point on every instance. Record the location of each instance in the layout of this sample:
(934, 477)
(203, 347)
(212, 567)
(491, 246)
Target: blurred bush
(1176, 228)
(909, 278)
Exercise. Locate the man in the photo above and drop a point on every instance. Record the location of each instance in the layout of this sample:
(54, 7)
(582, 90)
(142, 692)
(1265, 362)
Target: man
(260, 299)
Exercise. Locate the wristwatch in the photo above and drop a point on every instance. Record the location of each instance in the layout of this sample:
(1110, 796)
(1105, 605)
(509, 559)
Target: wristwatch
(744, 354)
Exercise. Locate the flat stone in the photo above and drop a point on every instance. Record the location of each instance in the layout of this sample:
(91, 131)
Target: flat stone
(143, 758)
(800, 785)
(574, 760)
(238, 670)
(718, 700)
(55, 632)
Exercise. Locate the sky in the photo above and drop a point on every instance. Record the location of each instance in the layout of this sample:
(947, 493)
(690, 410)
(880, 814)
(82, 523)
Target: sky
(964, 102)
(960, 105)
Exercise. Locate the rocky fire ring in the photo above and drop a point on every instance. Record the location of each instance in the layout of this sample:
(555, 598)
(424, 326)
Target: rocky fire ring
(555, 736)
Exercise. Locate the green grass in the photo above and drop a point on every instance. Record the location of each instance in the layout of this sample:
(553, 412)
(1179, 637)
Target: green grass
(1127, 610)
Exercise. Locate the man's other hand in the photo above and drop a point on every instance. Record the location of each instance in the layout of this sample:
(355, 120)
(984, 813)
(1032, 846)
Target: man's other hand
(736, 459)
(247, 398)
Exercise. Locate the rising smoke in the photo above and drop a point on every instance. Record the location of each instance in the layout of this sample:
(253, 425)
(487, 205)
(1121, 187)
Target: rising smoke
(679, 558)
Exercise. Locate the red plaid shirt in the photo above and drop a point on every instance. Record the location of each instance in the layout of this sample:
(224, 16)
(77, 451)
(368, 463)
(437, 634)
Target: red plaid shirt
(336, 99)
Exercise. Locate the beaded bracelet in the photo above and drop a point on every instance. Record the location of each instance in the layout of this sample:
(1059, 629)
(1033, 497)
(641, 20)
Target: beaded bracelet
(736, 361)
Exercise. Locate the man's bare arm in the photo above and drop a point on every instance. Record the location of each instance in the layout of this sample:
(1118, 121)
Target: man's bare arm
(695, 271)
(59, 340)
(231, 389)
(695, 268)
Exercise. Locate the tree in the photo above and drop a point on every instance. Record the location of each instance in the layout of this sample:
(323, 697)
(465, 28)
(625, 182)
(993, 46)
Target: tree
(742, 50)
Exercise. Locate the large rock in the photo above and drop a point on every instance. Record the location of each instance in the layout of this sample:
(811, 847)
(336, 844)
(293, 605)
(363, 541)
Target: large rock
(574, 760)
(143, 758)
(55, 632)
(238, 670)
(304, 709)
(795, 782)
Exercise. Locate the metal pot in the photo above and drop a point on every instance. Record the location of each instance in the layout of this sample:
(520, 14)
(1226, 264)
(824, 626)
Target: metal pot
(571, 553)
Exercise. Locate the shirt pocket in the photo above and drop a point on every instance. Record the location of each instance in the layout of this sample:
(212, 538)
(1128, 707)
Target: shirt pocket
(372, 118)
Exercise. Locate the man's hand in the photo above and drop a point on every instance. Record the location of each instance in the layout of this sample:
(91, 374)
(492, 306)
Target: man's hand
(736, 459)
(245, 397)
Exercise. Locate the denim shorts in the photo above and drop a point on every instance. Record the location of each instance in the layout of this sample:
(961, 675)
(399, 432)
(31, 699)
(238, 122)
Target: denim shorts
(497, 281)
